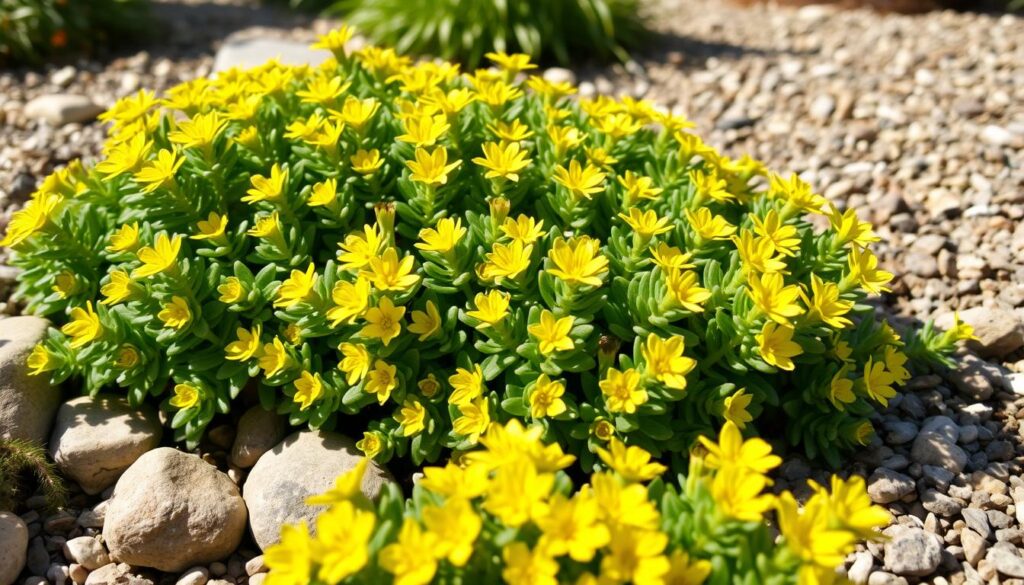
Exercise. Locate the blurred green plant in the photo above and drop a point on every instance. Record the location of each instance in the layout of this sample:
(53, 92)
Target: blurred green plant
(32, 30)
(19, 458)
(464, 30)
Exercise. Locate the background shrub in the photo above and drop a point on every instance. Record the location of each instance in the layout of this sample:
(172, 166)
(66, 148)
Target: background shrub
(464, 30)
(31, 30)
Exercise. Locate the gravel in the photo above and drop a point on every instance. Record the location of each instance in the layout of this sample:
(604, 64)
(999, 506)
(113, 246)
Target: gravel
(916, 121)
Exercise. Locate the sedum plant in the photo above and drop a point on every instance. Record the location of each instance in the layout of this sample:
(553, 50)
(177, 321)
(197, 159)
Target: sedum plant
(465, 30)
(33, 29)
(508, 513)
(408, 252)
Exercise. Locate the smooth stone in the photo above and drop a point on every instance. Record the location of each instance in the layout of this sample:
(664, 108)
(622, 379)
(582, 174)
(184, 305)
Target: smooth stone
(13, 547)
(27, 403)
(258, 431)
(244, 51)
(60, 109)
(913, 552)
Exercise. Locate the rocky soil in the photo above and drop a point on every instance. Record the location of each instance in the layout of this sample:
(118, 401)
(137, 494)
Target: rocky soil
(915, 121)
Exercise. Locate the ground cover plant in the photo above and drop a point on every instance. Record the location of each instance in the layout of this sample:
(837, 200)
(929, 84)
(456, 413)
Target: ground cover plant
(465, 30)
(407, 252)
(31, 30)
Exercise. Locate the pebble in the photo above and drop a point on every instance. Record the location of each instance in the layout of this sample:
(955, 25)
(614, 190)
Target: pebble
(912, 552)
(886, 486)
(87, 552)
(13, 546)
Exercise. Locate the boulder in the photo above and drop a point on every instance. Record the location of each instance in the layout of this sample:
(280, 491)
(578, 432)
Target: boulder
(27, 403)
(95, 440)
(171, 511)
(306, 463)
(61, 109)
(258, 431)
(999, 331)
(245, 50)
(13, 547)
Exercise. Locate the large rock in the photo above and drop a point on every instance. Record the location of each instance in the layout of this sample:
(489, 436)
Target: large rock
(95, 440)
(13, 547)
(999, 331)
(245, 50)
(913, 552)
(171, 511)
(27, 403)
(258, 431)
(61, 109)
(307, 463)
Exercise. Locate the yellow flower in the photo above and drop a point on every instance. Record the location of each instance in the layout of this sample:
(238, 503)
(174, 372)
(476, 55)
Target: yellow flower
(429, 386)
(496, 93)
(636, 556)
(709, 226)
(852, 506)
(622, 390)
(757, 254)
(545, 398)
(323, 90)
(266, 226)
(491, 308)
(840, 391)
(412, 416)
(732, 451)
(32, 218)
(474, 419)
(468, 385)
(370, 444)
(895, 360)
(384, 322)
(308, 389)
(343, 534)
(41, 360)
(581, 182)
(200, 131)
(603, 430)
(552, 334)
(291, 560)
(684, 571)
(735, 408)
(162, 257)
(386, 272)
(511, 132)
(247, 345)
(564, 138)
(526, 567)
(84, 326)
(211, 228)
(506, 261)
(511, 64)
(160, 171)
(849, 228)
(864, 267)
(185, 396)
(232, 291)
(443, 237)
(334, 41)
(323, 193)
(878, 382)
(825, 304)
(518, 492)
(381, 380)
(646, 223)
(431, 168)
(275, 358)
(426, 324)
(738, 493)
(424, 131)
(685, 291)
(455, 482)
(632, 463)
(573, 527)
(125, 238)
(127, 357)
(624, 505)
(119, 289)
(710, 185)
(776, 346)
(356, 112)
(176, 314)
(504, 161)
(267, 188)
(350, 299)
(664, 360)
(580, 262)
(524, 229)
(796, 192)
(773, 298)
(784, 238)
(366, 162)
(358, 249)
(355, 363)
(456, 525)
(125, 157)
(411, 558)
(638, 187)
(296, 288)
(670, 258)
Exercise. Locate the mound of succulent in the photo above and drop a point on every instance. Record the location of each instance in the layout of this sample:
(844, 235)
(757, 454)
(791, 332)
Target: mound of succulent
(508, 514)
(33, 29)
(400, 250)
(465, 30)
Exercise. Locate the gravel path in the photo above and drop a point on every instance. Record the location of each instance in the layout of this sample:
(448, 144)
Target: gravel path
(916, 121)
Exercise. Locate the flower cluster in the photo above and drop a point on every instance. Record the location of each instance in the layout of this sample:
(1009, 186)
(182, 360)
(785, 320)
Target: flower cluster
(508, 513)
(434, 251)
